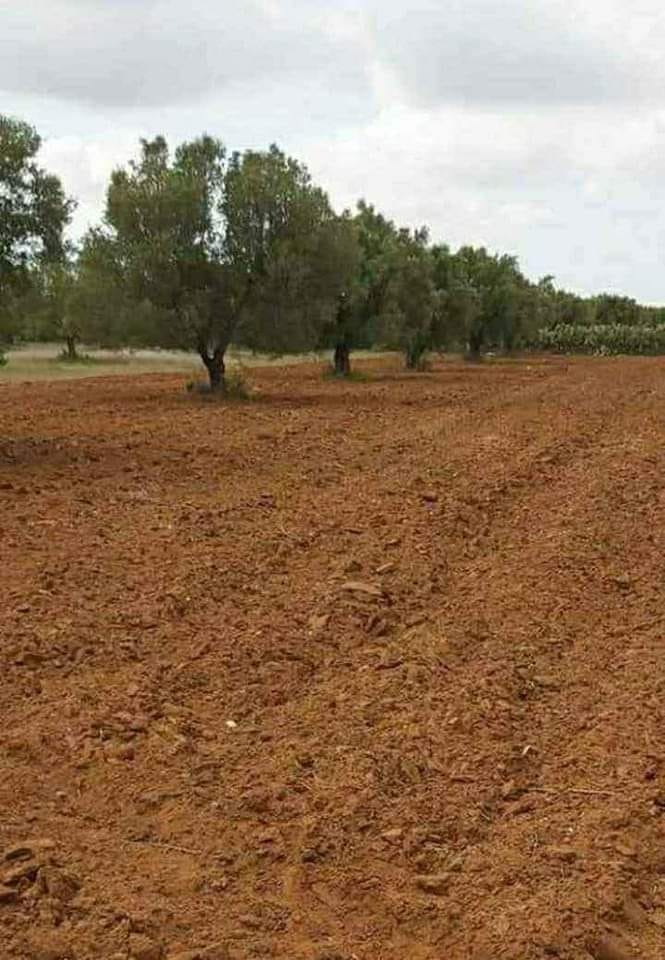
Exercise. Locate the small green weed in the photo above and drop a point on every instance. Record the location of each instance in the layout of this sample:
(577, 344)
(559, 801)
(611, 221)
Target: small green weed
(355, 376)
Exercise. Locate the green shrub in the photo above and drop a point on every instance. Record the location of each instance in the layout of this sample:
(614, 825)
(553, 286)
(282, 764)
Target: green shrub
(603, 339)
(236, 387)
(83, 359)
(416, 348)
(354, 376)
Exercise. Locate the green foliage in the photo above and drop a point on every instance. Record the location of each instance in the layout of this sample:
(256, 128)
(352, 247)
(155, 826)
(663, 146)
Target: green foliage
(289, 252)
(33, 214)
(82, 359)
(456, 310)
(366, 240)
(603, 339)
(500, 313)
(377, 241)
(236, 386)
(412, 298)
(604, 325)
(199, 249)
(610, 310)
(53, 313)
(353, 376)
(416, 349)
(196, 252)
(17, 305)
(105, 311)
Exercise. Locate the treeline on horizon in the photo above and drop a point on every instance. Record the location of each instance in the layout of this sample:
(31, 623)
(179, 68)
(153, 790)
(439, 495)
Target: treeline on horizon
(199, 249)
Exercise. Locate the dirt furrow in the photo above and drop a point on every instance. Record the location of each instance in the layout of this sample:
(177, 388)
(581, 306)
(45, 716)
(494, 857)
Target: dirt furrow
(348, 672)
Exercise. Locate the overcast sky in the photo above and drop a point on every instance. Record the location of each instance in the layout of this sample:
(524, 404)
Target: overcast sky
(535, 127)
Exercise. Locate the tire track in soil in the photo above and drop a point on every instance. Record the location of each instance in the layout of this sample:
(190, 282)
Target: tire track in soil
(560, 688)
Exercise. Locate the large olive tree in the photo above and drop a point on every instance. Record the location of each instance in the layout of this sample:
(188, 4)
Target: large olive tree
(205, 250)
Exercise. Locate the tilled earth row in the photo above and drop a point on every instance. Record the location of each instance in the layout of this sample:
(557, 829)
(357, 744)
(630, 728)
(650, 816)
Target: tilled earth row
(365, 671)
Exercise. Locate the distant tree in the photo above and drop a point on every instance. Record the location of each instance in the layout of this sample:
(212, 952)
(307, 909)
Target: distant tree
(459, 310)
(543, 303)
(377, 239)
(496, 280)
(457, 300)
(555, 307)
(18, 307)
(414, 297)
(393, 299)
(363, 302)
(105, 310)
(56, 317)
(288, 250)
(34, 212)
(342, 331)
(653, 316)
(611, 309)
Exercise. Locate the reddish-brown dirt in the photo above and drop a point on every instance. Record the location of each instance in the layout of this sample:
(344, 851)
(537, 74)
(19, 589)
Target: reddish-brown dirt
(369, 670)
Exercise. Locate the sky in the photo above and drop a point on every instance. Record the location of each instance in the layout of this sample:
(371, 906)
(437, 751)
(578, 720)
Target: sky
(532, 127)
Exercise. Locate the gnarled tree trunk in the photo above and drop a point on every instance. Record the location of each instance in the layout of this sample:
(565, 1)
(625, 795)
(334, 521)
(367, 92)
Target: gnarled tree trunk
(475, 345)
(342, 359)
(214, 364)
(70, 344)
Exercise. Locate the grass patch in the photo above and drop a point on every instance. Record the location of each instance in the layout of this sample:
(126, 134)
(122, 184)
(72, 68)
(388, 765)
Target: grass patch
(236, 387)
(33, 362)
(355, 376)
(38, 361)
(87, 360)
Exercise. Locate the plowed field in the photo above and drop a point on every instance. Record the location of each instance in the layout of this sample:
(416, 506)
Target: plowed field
(370, 670)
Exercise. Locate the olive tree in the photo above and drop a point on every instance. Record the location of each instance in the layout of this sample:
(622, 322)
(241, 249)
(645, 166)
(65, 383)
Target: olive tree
(363, 311)
(413, 297)
(34, 212)
(496, 282)
(55, 316)
(204, 250)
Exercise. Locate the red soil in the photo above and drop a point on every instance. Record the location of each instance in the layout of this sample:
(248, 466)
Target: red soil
(369, 670)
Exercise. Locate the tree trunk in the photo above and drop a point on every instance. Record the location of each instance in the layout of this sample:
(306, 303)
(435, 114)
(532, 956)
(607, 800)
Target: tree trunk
(342, 359)
(475, 343)
(414, 352)
(70, 343)
(214, 364)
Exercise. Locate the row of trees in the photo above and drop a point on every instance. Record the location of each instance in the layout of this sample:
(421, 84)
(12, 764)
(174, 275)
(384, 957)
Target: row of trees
(199, 249)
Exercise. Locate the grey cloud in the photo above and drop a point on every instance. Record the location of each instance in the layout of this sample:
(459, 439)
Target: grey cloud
(556, 187)
(160, 52)
(512, 52)
(532, 126)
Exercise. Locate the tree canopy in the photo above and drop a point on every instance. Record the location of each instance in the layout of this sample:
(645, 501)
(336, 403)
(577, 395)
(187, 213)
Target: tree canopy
(217, 249)
(34, 212)
(199, 248)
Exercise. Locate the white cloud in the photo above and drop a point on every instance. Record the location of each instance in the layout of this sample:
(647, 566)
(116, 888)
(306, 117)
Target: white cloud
(154, 52)
(532, 126)
(561, 189)
(521, 52)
